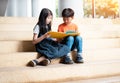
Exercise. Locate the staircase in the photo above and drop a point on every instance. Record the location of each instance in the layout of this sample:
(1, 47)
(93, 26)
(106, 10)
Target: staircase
(101, 53)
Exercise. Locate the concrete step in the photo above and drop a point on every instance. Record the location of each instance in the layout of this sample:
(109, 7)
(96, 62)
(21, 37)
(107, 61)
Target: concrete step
(27, 46)
(23, 58)
(16, 35)
(16, 46)
(59, 72)
(101, 43)
(98, 27)
(100, 34)
(109, 79)
(16, 27)
(17, 59)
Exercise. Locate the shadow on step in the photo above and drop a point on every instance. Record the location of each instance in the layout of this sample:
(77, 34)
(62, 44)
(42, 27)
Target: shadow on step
(26, 46)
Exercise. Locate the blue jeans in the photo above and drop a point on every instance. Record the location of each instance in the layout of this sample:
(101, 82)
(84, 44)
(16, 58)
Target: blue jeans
(74, 43)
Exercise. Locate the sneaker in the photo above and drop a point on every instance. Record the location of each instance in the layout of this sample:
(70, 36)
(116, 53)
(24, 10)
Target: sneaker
(33, 63)
(79, 59)
(45, 62)
(67, 60)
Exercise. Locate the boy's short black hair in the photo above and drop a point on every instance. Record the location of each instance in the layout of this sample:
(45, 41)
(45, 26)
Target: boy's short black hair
(67, 12)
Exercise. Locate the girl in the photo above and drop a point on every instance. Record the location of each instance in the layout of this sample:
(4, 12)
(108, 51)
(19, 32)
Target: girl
(46, 46)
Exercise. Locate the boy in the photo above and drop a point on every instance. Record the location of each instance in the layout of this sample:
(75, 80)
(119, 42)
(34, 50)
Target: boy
(71, 41)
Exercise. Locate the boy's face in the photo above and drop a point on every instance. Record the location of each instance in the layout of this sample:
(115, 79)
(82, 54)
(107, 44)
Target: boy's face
(67, 20)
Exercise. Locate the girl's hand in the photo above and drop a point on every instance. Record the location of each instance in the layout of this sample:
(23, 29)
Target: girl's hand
(46, 35)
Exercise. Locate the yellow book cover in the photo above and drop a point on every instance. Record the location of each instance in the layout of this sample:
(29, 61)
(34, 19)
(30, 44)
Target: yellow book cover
(54, 34)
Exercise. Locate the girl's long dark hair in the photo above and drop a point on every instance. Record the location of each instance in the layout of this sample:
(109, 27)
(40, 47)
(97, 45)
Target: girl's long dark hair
(45, 12)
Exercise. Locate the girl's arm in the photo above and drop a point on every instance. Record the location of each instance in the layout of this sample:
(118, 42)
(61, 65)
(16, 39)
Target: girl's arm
(37, 40)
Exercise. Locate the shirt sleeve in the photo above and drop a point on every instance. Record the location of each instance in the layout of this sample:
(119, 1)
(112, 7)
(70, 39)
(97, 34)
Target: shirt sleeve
(36, 29)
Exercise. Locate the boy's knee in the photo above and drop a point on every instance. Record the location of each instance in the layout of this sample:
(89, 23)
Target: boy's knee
(70, 38)
(78, 38)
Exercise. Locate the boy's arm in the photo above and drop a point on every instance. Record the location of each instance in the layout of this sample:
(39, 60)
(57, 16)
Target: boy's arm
(59, 30)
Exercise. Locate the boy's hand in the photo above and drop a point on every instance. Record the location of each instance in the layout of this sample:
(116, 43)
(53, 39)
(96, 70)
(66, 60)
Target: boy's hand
(59, 40)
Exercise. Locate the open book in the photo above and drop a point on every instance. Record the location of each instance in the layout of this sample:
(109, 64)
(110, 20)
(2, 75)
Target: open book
(61, 34)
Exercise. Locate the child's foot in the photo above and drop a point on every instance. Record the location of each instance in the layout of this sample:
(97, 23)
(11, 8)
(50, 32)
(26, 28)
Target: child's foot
(67, 60)
(45, 62)
(79, 59)
(33, 63)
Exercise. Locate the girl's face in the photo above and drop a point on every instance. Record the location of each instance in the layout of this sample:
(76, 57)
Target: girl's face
(67, 20)
(49, 19)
